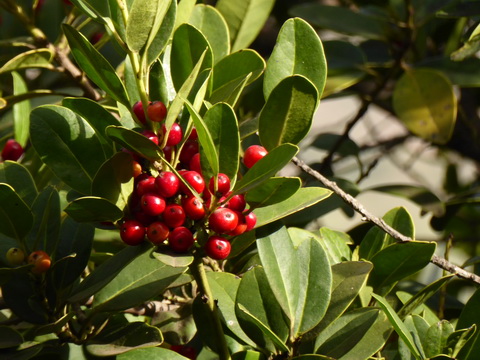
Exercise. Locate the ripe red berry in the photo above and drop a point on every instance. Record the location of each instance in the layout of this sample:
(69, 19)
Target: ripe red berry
(217, 247)
(223, 184)
(96, 37)
(250, 220)
(186, 351)
(132, 232)
(189, 149)
(143, 218)
(12, 150)
(174, 215)
(152, 204)
(223, 220)
(167, 184)
(193, 208)
(157, 232)
(40, 260)
(175, 135)
(193, 135)
(157, 111)
(150, 135)
(180, 239)
(253, 154)
(195, 180)
(139, 113)
(167, 153)
(145, 185)
(237, 203)
(194, 163)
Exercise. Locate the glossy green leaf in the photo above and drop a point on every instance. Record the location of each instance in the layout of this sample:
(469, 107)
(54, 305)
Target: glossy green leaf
(93, 209)
(188, 47)
(224, 288)
(114, 180)
(429, 111)
(114, 340)
(75, 239)
(335, 244)
(398, 325)
(399, 260)
(417, 327)
(171, 258)
(154, 353)
(185, 9)
(245, 19)
(288, 114)
(159, 89)
(342, 19)
(302, 199)
(40, 58)
(144, 19)
(248, 355)
(19, 178)
(97, 68)
(348, 278)
(436, 338)
(106, 272)
(97, 116)
(272, 191)
(16, 219)
(140, 280)
(73, 151)
(46, 225)
(134, 141)
(266, 167)
(222, 125)
(376, 239)
(212, 25)
(9, 337)
(158, 44)
(21, 111)
(262, 321)
(298, 51)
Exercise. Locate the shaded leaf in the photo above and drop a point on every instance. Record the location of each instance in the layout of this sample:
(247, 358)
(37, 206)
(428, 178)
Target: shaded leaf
(16, 219)
(93, 209)
(19, 178)
(134, 141)
(40, 58)
(154, 353)
(9, 337)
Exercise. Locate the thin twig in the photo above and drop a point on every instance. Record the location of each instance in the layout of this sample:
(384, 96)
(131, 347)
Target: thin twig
(367, 216)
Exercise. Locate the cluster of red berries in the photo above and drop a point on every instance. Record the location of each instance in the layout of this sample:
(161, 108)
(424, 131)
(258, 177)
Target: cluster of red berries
(170, 207)
(12, 150)
(39, 259)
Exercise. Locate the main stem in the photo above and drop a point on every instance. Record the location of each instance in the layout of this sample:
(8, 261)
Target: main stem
(198, 271)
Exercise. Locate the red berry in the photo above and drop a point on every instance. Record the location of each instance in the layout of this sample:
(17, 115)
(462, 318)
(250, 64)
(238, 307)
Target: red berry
(250, 220)
(139, 113)
(167, 153)
(145, 185)
(174, 215)
(12, 150)
(137, 169)
(237, 203)
(223, 220)
(150, 135)
(195, 180)
(187, 351)
(143, 218)
(223, 184)
(157, 111)
(175, 135)
(132, 232)
(157, 232)
(217, 247)
(180, 239)
(189, 149)
(253, 154)
(193, 135)
(40, 260)
(95, 38)
(152, 204)
(239, 230)
(167, 184)
(193, 208)
(194, 163)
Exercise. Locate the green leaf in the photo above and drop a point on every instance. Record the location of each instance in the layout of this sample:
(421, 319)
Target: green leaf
(16, 219)
(19, 178)
(212, 25)
(144, 19)
(262, 321)
(158, 44)
(154, 353)
(298, 51)
(457, 340)
(116, 340)
(97, 68)
(75, 239)
(9, 337)
(302, 199)
(140, 280)
(134, 141)
(335, 244)
(106, 272)
(343, 20)
(21, 111)
(272, 191)
(417, 327)
(97, 116)
(114, 180)
(288, 113)
(266, 167)
(376, 239)
(40, 58)
(73, 151)
(399, 260)
(188, 47)
(429, 111)
(436, 338)
(245, 19)
(398, 325)
(93, 209)
(248, 355)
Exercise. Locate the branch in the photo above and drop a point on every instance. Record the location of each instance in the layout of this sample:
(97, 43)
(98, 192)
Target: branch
(367, 216)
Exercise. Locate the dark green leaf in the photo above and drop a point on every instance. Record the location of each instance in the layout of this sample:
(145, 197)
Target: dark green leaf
(272, 191)
(21, 111)
(155, 353)
(16, 219)
(248, 355)
(40, 58)
(18, 177)
(159, 42)
(93, 209)
(134, 141)
(287, 116)
(335, 244)
(9, 337)
(436, 338)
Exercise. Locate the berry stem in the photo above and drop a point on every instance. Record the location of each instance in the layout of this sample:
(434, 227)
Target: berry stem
(198, 272)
